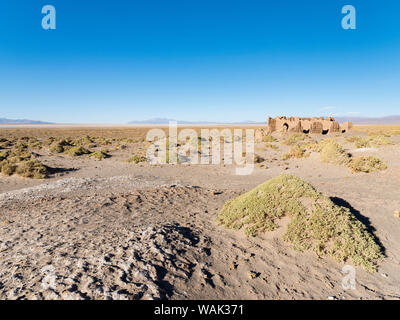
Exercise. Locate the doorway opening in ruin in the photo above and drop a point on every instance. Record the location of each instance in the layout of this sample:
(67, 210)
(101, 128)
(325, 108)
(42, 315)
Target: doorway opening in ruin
(285, 127)
(306, 131)
(343, 131)
(325, 132)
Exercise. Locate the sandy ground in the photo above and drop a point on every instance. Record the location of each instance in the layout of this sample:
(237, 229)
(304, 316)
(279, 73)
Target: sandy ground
(114, 230)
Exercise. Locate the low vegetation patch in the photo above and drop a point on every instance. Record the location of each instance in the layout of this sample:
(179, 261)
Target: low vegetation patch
(8, 168)
(22, 163)
(32, 169)
(295, 139)
(77, 151)
(271, 146)
(57, 149)
(380, 133)
(137, 159)
(99, 155)
(370, 141)
(268, 138)
(296, 151)
(367, 164)
(332, 152)
(316, 224)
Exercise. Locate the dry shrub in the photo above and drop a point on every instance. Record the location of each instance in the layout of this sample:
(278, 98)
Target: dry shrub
(57, 149)
(32, 169)
(49, 141)
(294, 139)
(332, 152)
(4, 154)
(271, 146)
(387, 134)
(370, 141)
(137, 159)
(7, 168)
(99, 155)
(296, 151)
(5, 143)
(66, 142)
(367, 164)
(77, 151)
(268, 138)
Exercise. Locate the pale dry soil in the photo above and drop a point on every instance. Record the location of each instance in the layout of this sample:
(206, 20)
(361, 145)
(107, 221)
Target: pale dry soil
(115, 230)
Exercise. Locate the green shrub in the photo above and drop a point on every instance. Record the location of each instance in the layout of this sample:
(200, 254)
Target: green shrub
(316, 224)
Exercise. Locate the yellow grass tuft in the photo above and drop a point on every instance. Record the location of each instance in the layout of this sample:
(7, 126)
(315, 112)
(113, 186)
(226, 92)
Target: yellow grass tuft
(77, 151)
(370, 141)
(137, 159)
(271, 146)
(268, 138)
(32, 169)
(99, 155)
(367, 164)
(332, 152)
(296, 151)
(294, 139)
(7, 168)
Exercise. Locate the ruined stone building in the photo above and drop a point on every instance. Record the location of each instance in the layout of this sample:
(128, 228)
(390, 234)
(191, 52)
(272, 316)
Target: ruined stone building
(307, 125)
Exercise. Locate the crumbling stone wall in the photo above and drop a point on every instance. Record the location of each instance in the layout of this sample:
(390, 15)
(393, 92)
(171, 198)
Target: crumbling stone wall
(307, 125)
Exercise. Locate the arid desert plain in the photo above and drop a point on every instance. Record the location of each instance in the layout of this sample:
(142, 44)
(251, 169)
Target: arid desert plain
(83, 215)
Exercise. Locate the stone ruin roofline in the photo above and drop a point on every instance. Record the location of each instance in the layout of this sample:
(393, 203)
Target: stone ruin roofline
(318, 125)
(309, 119)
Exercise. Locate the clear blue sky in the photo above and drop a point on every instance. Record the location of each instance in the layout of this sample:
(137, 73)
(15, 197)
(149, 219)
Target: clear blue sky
(116, 61)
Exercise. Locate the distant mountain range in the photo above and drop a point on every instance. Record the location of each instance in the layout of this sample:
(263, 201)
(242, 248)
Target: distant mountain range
(166, 121)
(356, 120)
(365, 120)
(22, 121)
(389, 120)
